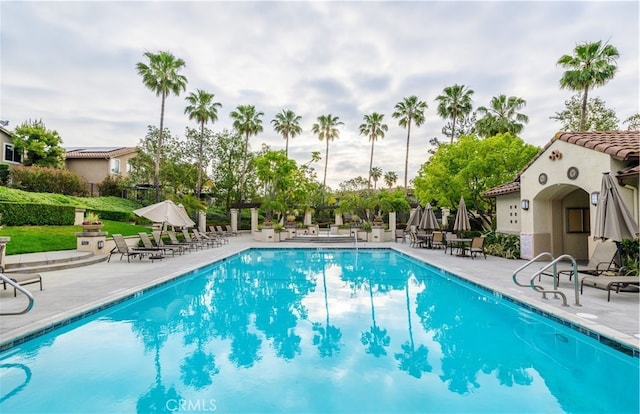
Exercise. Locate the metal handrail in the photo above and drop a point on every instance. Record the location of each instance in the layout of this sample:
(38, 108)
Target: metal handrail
(553, 263)
(21, 289)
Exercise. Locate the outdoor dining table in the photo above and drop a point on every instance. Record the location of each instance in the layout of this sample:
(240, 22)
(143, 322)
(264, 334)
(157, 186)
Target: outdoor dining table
(427, 238)
(459, 244)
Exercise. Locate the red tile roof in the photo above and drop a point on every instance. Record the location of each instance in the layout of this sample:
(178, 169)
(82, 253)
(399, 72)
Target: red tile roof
(622, 145)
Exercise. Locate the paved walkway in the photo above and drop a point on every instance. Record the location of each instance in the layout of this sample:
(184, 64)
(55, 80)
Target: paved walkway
(70, 292)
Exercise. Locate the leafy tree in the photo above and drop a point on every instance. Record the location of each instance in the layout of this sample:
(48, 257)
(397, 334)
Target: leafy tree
(633, 122)
(287, 123)
(202, 109)
(598, 117)
(374, 129)
(465, 125)
(470, 167)
(41, 145)
(227, 162)
(409, 110)
(376, 173)
(327, 130)
(161, 76)
(592, 64)
(358, 183)
(390, 178)
(247, 121)
(454, 103)
(502, 116)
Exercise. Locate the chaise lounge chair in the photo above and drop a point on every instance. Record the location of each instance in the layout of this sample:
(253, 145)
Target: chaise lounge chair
(148, 245)
(22, 279)
(609, 283)
(125, 250)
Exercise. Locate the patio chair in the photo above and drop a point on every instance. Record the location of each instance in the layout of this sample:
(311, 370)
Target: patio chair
(222, 232)
(230, 230)
(182, 247)
(198, 243)
(415, 241)
(477, 246)
(22, 279)
(603, 262)
(220, 235)
(610, 283)
(400, 235)
(125, 250)
(438, 240)
(148, 245)
(186, 243)
(209, 240)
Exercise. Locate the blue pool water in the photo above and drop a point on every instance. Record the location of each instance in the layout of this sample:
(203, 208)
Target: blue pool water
(317, 331)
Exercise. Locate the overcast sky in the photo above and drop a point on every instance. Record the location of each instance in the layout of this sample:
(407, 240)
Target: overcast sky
(72, 64)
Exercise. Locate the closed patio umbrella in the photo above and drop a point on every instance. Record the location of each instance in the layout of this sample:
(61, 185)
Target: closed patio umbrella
(462, 218)
(614, 221)
(429, 220)
(414, 218)
(165, 212)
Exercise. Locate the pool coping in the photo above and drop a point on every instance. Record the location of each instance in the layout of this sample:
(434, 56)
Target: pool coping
(611, 338)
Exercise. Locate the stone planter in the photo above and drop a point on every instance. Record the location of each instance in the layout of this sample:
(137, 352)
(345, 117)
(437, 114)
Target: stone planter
(91, 227)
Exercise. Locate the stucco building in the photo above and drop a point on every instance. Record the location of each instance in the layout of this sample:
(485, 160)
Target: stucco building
(552, 202)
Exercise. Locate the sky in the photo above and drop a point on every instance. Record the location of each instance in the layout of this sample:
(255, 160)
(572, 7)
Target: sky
(73, 65)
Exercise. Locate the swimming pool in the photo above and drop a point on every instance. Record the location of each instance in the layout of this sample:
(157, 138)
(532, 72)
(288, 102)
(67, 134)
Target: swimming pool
(317, 330)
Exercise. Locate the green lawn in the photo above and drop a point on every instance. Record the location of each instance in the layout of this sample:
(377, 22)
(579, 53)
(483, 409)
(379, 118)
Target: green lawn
(32, 239)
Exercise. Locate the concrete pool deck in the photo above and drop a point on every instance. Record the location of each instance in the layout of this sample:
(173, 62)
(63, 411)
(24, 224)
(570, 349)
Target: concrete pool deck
(71, 292)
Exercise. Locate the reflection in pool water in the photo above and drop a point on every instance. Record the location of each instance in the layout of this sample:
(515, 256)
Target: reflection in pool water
(318, 331)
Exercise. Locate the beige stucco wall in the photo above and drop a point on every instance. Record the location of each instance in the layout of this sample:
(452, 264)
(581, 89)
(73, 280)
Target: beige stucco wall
(509, 212)
(543, 226)
(93, 170)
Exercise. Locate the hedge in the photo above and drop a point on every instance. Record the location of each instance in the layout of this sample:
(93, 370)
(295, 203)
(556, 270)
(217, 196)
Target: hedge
(25, 214)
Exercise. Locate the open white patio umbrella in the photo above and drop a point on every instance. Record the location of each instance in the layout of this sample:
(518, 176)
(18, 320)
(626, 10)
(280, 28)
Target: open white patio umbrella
(165, 212)
(462, 217)
(614, 221)
(429, 220)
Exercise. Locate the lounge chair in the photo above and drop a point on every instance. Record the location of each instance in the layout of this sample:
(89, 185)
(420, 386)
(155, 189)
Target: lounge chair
(125, 250)
(222, 232)
(148, 245)
(175, 242)
(202, 238)
(477, 246)
(182, 247)
(220, 235)
(604, 261)
(22, 279)
(197, 243)
(230, 231)
(609, 283)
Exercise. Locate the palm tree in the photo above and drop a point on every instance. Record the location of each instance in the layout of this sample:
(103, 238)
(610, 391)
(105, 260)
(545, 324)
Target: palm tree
(502, 116)
(246, 120)
(376, 173)
(390, 178)
(407, 111)
(202, 109)
(455, 102)
(287, 123)
(161, 76)
(374, 129)
(327, 129)
(592, 64)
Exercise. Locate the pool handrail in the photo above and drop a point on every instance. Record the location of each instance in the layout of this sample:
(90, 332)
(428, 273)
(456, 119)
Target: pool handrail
(553, 264)
(20, 288)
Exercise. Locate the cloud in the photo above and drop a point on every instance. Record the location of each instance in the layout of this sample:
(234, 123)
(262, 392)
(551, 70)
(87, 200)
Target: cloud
(73, 65)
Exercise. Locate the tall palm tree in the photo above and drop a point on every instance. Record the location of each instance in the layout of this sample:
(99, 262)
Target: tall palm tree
(162, 77)
(202, 109)
(592, 64)
(502, 116)
(453, 103)
(390, 178)
(407, 111)
(246, 120)
(327, 129)
(287, 123)
(376, 173)
(374, 129)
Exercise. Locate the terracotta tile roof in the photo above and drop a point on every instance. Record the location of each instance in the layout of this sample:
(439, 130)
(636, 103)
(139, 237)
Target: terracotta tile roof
(508, 188)
(622, 145)
(99, 152)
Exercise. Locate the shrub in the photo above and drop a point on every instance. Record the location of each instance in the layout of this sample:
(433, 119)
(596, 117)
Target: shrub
(24, 214)
(503, 245)
(47, 180)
